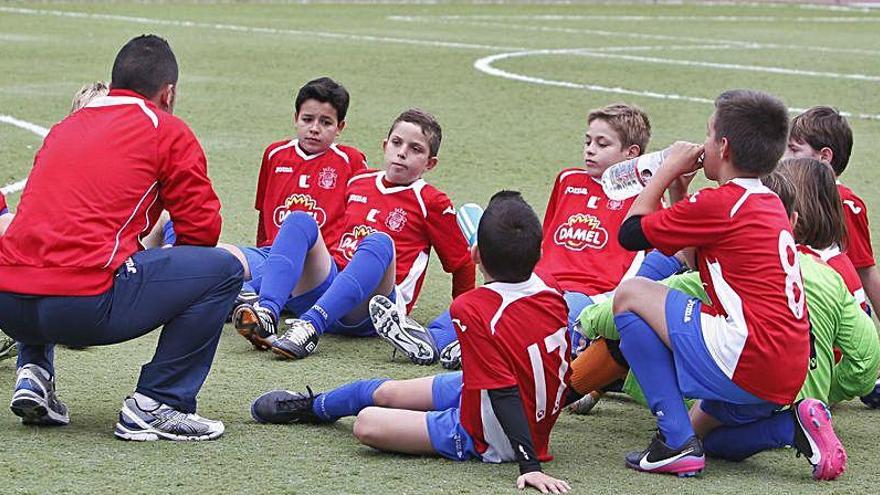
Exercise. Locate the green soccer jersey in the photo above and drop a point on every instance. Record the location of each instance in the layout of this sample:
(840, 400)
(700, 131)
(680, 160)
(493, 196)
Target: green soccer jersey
(836, 319)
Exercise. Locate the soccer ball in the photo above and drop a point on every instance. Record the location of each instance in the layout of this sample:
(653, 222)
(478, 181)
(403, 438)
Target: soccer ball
(872, 400)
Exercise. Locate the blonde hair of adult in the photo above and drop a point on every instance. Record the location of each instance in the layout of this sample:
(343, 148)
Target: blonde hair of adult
(88, 93)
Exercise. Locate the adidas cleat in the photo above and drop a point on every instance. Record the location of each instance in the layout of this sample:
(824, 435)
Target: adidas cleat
(163, 423)
(34, 399)
(402, 332)
(299, 341)
(814, 437)
(285, 407)
(255, 323)
(243, 297)
(450, 356)
(689, 460)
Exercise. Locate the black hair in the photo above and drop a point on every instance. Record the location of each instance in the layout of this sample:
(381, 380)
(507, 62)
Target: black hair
(509, 238)
(325, 90)
(144, 65)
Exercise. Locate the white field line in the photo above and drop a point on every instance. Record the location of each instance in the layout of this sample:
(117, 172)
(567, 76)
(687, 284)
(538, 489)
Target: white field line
(485, 65)
(669, 18)
(252, 29)
(463, 20)
(36, 129)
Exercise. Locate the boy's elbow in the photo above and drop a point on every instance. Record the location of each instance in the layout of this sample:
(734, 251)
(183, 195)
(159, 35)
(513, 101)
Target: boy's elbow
(631, 236)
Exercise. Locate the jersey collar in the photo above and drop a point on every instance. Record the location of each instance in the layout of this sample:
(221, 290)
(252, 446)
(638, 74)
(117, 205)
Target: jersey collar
(302, 154)
(395, 189)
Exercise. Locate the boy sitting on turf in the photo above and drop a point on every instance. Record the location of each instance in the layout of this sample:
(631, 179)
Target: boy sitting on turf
(502, 406)
(307, 174)
(392, 220)
(823, 134)
(747, 354)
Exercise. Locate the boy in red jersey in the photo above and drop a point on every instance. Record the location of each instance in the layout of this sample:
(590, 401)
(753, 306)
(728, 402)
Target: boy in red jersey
(308, 173)
(502, 406)
(747, 354)
(392, 221)
(823, 134)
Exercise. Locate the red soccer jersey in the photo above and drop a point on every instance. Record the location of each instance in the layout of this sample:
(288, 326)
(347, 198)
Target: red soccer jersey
(859, 247)
(748, 261)
(499, 351)
(292, 180)
(417, 217)
(844, 267)
(580, 247)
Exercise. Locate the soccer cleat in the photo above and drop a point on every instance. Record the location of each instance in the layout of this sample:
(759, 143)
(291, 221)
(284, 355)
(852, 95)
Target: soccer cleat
(285, 407)
(585, 404)
(299, 341)
(255, 323)
(34, 399)
(404, 333)
(814, 437)
(689, 460)
(243, 297)
(163, 423)
(872, 400)
(450, 356)
(7, 348)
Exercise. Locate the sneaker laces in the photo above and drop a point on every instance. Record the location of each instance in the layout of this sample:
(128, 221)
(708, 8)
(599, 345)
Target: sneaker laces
(297, 402)
(300, 331)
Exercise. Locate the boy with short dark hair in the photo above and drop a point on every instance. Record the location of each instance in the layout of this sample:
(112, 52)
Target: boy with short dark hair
(747, 354)
(823, 134)
(393, 219)
(308, 173)
(502, 406)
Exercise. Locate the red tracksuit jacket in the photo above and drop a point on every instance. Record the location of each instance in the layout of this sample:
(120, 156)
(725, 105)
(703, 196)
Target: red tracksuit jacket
(98, 184)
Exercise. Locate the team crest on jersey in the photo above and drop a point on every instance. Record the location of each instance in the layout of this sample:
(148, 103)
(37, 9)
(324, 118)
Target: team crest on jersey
(396, 219)
(350, 240)
(615, 204)
(327, 178)
(581, 231)
(299, 202)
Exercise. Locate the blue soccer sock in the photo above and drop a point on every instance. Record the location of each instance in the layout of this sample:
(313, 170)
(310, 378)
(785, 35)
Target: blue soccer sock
(347, 400)
(355, 283)
(652, 363)
(284, 266)
(657, 266)
(736, 443)
(442, 331)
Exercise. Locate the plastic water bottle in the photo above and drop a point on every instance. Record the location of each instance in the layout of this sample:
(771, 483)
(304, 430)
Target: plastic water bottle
(627, 178)
(468, 217)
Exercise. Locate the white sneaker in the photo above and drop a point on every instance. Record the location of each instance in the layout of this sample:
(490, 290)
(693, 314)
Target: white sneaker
(163, 422)
(34, 399)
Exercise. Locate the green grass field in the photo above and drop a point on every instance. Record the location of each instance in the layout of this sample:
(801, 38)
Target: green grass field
(240, 64)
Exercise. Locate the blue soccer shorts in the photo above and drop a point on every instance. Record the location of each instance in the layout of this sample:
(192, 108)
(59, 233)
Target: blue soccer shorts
(699, 377)
(448, 436)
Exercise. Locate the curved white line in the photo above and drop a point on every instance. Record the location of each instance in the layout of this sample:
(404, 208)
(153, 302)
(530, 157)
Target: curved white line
(485, 65)
(28, 126)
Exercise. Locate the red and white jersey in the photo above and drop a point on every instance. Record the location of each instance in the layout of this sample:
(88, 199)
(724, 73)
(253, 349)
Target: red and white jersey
(292, 180)
(580, 247)
(499, 351)
(859, 247)
(749, 263)
(841, 263)
(417, 216)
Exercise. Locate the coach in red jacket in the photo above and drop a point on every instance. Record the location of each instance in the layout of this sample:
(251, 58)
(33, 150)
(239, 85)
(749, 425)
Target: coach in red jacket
(72, 268)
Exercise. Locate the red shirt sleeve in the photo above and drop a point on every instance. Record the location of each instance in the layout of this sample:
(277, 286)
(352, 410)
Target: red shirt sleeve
(692, 222)
(444, 234)
(184, 187)
(484, 366)
(551, 209)
(859, 247)
(356, 160)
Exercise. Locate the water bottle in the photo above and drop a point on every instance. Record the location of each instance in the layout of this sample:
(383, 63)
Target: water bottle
(627, 178)
(468, 217)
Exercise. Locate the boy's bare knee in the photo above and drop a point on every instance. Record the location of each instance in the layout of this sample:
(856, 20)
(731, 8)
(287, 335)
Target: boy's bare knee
(385, 395)
(624, 295)
(366, 428)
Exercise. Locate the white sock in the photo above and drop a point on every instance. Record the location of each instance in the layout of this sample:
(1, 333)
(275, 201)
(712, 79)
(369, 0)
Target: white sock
(144, 402)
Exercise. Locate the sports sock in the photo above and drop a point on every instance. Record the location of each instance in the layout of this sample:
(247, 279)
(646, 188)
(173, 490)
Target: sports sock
(144, 402)
(442, 331)
(657, 266)
(736, 443)
(595, 368)
(347, 400)
(355, 284)
(284, 266)
(652, 363)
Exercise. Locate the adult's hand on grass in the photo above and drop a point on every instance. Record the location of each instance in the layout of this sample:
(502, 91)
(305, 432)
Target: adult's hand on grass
(542, 482)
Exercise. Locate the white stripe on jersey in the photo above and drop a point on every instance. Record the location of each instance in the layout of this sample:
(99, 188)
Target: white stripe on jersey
(510, 293)
(282, 147)
(752, 186)
(498, 445)
(112, 101)
(302, 153)
(827, 253)
(408, 285)
(725, 337)
(339, 152)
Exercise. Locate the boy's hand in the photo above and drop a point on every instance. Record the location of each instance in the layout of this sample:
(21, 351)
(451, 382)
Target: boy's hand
(684, 158)
(543, 482)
